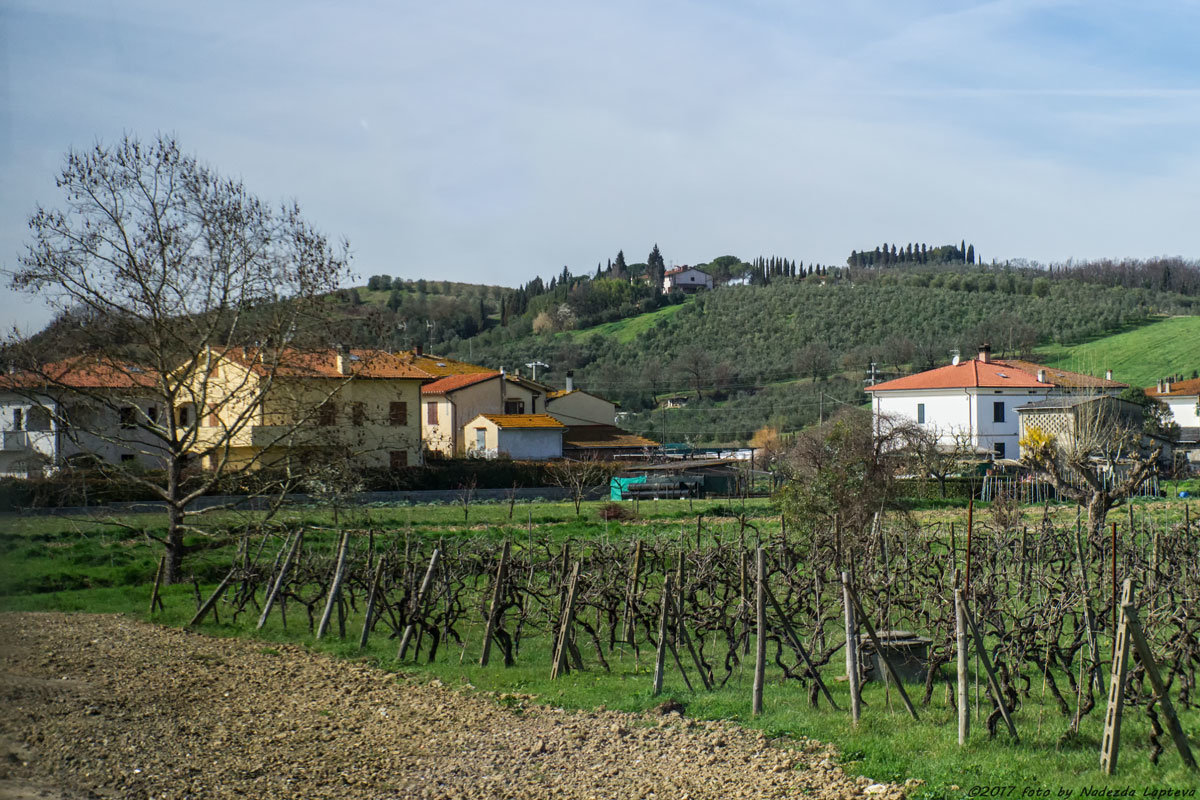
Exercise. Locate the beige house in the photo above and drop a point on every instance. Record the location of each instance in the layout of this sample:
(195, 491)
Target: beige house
(258, 407)
(1067, 417)
(526, 437)
(451, 402)
(573, 406)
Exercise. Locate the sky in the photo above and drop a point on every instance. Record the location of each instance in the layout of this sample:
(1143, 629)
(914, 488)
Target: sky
(491, 142)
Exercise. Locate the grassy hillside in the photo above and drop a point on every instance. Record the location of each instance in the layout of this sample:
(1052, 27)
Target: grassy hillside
(626, 330)
(1139, 356)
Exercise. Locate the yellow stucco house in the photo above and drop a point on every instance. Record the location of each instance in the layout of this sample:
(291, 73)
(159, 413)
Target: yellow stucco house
(258, 406)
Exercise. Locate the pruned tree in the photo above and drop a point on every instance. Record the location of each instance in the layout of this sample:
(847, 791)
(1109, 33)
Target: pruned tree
(1099, 463)
(162, 265)
(578, 476)
(815, 359)
(942, 456)
(695, 366)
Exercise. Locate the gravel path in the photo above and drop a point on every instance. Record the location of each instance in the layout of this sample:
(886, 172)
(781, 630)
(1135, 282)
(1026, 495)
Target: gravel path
(104, 706)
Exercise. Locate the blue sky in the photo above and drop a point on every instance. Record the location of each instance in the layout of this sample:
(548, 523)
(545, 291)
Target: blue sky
(492, 141)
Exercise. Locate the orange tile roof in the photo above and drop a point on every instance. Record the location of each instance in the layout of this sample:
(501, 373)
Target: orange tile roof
(1178, 388)
(452, 383)
(439, 366)
(369, 364)
(83, 372)
(523, 420)
(996, 373)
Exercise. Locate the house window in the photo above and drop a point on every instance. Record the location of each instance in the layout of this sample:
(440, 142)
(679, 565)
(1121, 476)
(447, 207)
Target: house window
(481, 438)
(514, 406)
(185, 416)
(431, 413)
(18, 419)
(152, 414)
(921, 413)
(358, 414)
(212, 421)
(127, 416)
(998, 411)
(398, 459)
(398, 413)
(998, 449)
(327, 414)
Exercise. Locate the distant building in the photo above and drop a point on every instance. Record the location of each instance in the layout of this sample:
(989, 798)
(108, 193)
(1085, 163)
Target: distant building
(686, 279)
(1183, 400)
(452, 402)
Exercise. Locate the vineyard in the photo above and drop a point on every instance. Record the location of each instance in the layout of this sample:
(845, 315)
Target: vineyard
(680, 603)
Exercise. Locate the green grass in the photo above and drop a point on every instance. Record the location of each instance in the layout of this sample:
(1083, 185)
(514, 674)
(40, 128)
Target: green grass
(115, 569)
(626, 330)
(1139, 356)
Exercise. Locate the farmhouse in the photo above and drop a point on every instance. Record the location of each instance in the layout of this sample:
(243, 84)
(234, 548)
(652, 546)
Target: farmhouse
(974, 402)
(532, 437)
(360, 403)
(686, 279)
(102, 410)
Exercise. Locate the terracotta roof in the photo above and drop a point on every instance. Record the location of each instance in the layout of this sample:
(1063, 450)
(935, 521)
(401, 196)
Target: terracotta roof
(604, 436)
(523, 420)
(439, 366)
(370, 364)
(83, 372)
(1178, 388)
(996, 373)
(684, 268)
(452, 383)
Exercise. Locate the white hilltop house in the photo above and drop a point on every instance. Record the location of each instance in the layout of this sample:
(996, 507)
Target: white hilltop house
(975, 402)
(686, 279)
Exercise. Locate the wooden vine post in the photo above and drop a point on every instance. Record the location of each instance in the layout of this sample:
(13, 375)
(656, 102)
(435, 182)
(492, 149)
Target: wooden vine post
(494, 608)
(372, 599)
(156, 602)
(418, 603)
(213, 598)
(631, 596)
(335, 586)
(559, 666)
(964, 664)
(273, 595)
(660, 653)
(760, 641)
(993, 682)
(1110, 745)
(851, 650)
(887, 662)
(1160, 689)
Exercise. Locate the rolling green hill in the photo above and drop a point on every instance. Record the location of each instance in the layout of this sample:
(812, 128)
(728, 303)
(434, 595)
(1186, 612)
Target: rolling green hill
(1139, 356)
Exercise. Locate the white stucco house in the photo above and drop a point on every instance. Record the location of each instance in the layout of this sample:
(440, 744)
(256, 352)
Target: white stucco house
(525, 437)
(686, 279)
(975, 402)
(75, 409)
(1183, 400)
(452, 402)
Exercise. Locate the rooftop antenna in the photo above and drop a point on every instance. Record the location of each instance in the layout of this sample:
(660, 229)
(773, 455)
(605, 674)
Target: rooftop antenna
(533, 365)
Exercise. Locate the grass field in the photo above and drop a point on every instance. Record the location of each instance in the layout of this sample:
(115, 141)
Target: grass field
(1138, 357)
(96, 566)
(626, 330)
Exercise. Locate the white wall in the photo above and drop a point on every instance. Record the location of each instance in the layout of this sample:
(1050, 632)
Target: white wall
(968, 413)
(1183, 410)
(531, 444)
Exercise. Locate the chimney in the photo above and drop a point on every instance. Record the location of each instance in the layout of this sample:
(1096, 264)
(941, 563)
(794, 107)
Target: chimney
(570, 380)
(1041, 376)
(343, 359)
(419, 350)
(1167, 386)
(503, 389)
(1108, 374)
(985, 353)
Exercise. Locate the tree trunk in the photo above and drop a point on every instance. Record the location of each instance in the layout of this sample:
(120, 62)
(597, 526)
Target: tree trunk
(1097, 508)
(175, 548)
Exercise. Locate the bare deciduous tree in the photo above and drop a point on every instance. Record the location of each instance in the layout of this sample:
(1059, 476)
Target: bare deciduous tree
(159, 262)
(577, 476)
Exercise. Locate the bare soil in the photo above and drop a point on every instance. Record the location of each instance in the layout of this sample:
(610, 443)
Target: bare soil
(104, 706)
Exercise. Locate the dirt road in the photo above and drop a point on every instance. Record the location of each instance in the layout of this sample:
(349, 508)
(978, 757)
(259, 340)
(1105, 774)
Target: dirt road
(103, 706)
